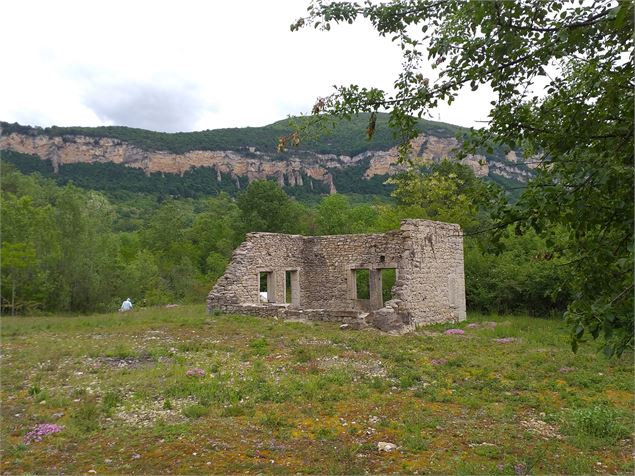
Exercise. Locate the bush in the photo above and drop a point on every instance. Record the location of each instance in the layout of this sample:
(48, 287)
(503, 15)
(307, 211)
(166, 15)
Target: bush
(521, 277)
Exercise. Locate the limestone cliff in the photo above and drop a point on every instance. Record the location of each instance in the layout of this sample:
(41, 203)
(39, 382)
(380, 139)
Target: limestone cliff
(250, 163)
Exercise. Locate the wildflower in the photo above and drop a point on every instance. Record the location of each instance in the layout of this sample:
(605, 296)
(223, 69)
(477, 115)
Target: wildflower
(439, 361)
(195, 372)
(40, 431)
(472, 325)
(454, 332)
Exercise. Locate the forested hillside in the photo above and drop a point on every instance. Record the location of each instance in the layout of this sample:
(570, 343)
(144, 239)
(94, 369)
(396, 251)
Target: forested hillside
(347, 137)
(117, 179)
(113, 159)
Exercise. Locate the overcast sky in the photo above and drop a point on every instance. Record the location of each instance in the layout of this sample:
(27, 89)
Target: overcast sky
(186, 65)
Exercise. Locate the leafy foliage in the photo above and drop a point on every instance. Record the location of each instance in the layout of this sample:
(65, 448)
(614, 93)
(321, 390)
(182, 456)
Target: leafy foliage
(580, 130)
(265, 207)
(448, 192)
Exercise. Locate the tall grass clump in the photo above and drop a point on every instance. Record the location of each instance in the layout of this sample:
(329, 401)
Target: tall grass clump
(600, 423)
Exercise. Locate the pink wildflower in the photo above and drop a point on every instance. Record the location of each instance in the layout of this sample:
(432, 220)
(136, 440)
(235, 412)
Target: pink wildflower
(40, 431)
(195, 372)
(454, 332)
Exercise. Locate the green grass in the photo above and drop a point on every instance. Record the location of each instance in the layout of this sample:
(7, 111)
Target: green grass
(282, 397)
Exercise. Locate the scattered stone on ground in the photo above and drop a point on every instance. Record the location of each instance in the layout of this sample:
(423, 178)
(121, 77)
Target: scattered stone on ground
(439, 361)
(118, 362)
(385, 446)
(359, 362)
(541, 428)
(484, 443)
(505, 340)
(147, 414)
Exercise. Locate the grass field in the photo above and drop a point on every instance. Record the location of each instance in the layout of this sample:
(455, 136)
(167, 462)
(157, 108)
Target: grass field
(506, 397)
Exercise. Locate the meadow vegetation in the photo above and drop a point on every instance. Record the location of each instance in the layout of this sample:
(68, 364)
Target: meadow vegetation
(175, 390)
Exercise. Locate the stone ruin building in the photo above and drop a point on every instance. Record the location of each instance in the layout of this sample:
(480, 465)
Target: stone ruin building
(342, 278)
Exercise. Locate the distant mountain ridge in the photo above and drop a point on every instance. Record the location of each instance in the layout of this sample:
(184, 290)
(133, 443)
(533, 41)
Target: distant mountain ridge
(340, 161)
(347, 138)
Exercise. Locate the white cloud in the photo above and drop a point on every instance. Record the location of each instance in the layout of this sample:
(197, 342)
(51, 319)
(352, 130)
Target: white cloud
(186, 65)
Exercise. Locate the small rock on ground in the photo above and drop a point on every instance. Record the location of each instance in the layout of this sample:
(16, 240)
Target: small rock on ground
(387, 447)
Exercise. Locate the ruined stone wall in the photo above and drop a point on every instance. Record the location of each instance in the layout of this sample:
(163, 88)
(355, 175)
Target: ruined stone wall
(432, 277)
(326, 280)
(427, 255)
(260, 252)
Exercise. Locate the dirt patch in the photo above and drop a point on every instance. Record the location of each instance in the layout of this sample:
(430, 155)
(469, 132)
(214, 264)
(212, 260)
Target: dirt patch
(361, 364)
(147, 414)
(124, 362)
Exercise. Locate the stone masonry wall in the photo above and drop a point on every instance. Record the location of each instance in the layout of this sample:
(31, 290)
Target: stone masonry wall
(433, 278)
(429, 288)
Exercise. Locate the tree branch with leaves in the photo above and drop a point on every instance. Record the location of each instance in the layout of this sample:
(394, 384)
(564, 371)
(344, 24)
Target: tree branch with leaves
(581, 124)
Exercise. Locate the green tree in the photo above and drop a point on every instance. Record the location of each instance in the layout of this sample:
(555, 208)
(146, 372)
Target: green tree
(264, 206)
(332, 216)
(214, 234)
(165, 234)
(336, 215)
(580, 131)
(521, 276)
(447, 191)
(89, 267)
(141, 280)
(18, 262)
(30, 245)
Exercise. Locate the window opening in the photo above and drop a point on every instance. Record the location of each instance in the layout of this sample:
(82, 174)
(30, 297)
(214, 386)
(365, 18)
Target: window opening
(388, 278)
(362, 283)
(265, 286)
(289, 285)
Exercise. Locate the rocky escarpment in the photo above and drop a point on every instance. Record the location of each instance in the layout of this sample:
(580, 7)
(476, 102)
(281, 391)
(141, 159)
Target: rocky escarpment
(291, 168)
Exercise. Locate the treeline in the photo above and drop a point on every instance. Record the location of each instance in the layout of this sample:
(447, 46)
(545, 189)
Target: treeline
(346, 137)
(65, 249)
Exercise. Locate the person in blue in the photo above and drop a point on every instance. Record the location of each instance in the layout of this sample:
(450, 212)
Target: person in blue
(126, 306)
